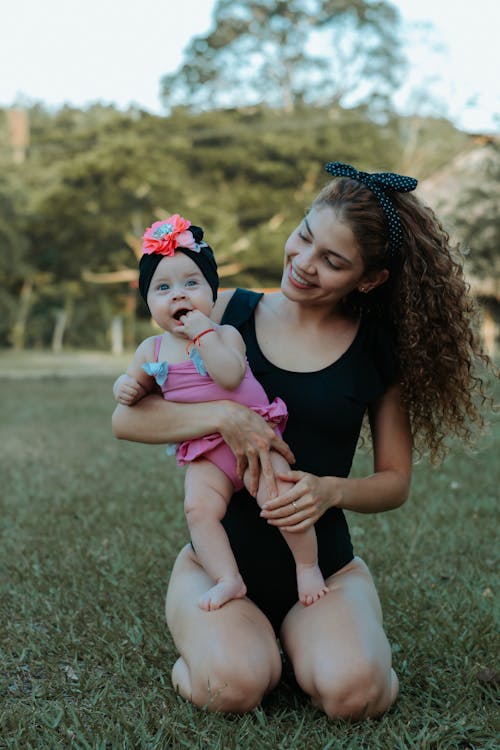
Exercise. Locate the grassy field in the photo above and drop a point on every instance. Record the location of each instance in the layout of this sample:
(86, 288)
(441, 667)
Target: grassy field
(90, 528)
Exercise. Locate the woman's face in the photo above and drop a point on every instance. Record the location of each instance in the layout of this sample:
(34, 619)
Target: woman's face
(323, 262)
(177, 287)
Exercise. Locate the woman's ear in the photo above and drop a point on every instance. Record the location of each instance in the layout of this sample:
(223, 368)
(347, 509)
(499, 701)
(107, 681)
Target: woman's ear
(373, 280)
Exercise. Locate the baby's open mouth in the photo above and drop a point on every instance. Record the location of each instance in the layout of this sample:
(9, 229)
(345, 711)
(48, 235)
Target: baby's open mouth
(183, 311)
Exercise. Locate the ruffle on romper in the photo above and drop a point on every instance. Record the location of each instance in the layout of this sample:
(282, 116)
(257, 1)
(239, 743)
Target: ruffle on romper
(275, 414)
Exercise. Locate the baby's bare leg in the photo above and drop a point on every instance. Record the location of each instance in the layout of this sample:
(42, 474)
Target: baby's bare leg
(208, 491)
(303, 546)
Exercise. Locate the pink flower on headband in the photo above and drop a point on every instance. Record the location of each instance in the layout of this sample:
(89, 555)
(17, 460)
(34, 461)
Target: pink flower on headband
(163, 237)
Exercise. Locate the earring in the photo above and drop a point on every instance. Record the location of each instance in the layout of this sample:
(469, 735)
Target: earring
(363, 289)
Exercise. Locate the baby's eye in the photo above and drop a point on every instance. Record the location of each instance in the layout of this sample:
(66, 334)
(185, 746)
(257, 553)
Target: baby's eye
(162, 287)
(191, 282)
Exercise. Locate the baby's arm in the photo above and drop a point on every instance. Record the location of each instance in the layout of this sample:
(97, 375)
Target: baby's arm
(222, 349)
(135, 383)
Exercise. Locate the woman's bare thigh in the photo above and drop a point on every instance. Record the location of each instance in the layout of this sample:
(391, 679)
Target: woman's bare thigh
(229, 658)
(338, 647)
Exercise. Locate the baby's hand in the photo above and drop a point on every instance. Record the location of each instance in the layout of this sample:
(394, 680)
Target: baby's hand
(127, 390)
(195, 322)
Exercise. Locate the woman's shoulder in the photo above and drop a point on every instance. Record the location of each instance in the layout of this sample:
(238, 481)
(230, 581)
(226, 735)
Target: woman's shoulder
(379, 332)
(235, 306)
(379, 351)
(223, 299)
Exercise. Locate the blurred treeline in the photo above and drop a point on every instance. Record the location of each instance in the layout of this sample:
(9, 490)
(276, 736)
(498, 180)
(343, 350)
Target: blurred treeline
(91, 181)
(78, 187)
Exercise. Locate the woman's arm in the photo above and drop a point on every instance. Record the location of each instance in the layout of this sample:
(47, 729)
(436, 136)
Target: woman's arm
(389, 486)
(384, 490)
(154, 420)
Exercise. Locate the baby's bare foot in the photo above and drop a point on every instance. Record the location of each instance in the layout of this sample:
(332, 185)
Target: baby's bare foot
(223, 591)
(311, 584)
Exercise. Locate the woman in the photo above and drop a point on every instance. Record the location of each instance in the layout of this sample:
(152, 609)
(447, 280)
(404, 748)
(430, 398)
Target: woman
(372, 316)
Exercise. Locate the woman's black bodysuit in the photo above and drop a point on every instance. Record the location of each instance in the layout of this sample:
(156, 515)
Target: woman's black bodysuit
(326, 409)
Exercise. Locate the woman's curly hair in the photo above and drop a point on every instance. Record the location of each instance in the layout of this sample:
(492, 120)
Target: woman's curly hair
(427, 304)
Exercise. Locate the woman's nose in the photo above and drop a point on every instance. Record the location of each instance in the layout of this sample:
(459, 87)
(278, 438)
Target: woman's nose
(304, 261)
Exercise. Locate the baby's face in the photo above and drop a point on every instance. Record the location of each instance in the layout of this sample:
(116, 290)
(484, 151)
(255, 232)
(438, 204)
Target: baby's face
(178, 287)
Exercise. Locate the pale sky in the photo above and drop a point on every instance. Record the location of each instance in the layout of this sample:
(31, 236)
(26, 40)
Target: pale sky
(116, 51)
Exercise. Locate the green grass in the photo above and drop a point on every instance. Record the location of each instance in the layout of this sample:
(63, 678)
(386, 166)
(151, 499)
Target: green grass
(90, 528)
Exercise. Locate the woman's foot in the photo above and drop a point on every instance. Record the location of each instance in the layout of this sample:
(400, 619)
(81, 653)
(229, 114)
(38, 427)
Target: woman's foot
(311, 584)
(223, 591)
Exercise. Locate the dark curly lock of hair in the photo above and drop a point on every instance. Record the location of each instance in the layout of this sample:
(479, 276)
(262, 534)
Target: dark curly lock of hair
(429, 308)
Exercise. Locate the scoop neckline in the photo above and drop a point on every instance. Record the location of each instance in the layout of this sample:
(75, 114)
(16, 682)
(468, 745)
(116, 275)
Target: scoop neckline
(307, 372)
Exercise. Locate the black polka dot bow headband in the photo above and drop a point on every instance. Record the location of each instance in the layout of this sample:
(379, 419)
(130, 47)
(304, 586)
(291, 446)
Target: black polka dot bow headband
(382, 184)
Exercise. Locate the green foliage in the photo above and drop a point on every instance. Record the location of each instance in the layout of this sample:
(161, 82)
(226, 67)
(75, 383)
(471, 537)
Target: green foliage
(93, 180)
(287, 53)
(477, 215)
(90, 529)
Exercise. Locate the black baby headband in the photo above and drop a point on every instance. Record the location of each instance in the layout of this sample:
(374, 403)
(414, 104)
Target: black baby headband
(382, 184)
(175, 234)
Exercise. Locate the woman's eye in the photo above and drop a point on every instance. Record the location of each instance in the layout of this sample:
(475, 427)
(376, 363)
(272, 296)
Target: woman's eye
(303, 237)
(331, 264)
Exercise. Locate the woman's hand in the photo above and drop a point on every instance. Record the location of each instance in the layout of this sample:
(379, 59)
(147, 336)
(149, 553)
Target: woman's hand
(300, 506)
(251, 439)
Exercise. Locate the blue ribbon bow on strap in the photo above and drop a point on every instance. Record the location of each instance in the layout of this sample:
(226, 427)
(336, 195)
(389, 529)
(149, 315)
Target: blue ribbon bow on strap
(158, 370)
(195, 357)
(382, 184)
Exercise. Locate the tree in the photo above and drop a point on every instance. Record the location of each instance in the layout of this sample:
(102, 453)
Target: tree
(283, 53)
(476, 216)
(16, 269)
(73, 212)
(466, 195)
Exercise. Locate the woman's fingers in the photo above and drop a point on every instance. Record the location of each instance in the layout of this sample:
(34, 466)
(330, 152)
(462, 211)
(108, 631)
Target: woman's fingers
(296, 515)
(295, 509)
(282, 504)
(253, 472)
(283, 510)
(252, 439)
(294, 523)
(279, 445)
(267, 474)
(241, 464)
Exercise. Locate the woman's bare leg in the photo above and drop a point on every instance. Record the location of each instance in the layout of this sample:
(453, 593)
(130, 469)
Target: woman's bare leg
(207, 494)
(229, 659)
(338, 648)
(303, 546)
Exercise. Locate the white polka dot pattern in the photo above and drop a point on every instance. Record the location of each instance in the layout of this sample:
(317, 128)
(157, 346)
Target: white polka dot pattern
(381, 184)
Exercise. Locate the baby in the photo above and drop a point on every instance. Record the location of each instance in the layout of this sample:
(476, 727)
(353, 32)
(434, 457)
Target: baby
(196, 360)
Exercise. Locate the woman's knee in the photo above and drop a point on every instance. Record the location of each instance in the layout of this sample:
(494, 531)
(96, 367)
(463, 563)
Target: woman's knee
(231, 685)
(365, 690)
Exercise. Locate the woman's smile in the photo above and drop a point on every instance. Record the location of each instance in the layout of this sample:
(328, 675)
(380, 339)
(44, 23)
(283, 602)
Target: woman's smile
(297, 280)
